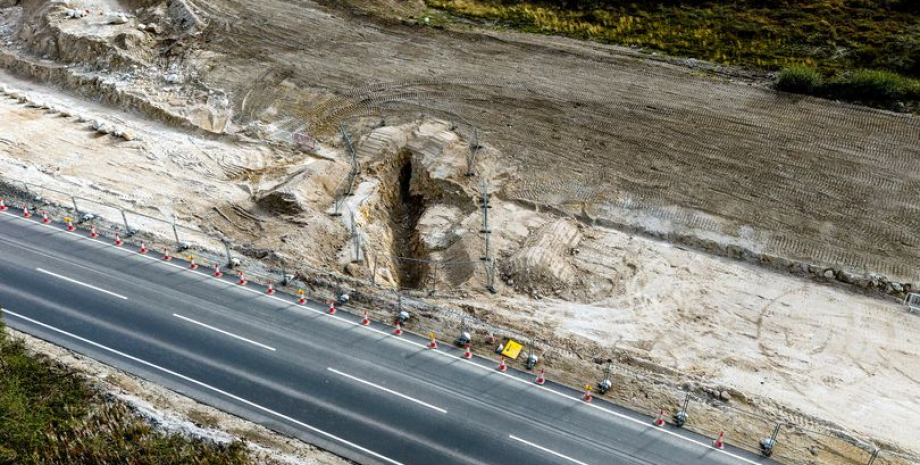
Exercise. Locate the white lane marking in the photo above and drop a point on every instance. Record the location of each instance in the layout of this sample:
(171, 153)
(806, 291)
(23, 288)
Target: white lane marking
(557, 454)
(223, 332)
(578, 399)
(439, 409)
(207, 386)
(65, 278)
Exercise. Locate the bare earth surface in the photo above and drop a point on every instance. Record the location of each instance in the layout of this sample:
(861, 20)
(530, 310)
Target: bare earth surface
(580, 142)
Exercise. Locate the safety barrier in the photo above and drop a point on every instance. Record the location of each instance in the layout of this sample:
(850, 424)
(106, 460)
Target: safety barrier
(772, 432)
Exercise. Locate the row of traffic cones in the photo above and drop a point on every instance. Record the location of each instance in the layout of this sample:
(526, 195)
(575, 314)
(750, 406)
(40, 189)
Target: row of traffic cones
(718, 443)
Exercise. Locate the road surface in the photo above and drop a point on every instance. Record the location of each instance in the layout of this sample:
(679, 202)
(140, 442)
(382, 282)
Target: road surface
(358, 391)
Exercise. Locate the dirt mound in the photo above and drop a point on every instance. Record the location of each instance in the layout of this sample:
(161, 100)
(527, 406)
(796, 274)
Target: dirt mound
(543, 263)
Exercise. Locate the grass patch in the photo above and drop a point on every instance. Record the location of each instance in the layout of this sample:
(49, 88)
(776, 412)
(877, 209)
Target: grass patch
(833, 37)
(800, 80)
(50, 415)
(871, 87)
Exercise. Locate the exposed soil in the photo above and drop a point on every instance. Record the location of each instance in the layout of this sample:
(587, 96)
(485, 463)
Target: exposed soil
(234, 126)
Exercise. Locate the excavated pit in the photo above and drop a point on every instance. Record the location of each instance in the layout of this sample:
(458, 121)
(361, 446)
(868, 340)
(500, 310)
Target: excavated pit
(405, 210)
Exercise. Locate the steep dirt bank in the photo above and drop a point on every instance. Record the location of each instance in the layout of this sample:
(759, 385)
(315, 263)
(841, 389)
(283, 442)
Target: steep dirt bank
(573, 139)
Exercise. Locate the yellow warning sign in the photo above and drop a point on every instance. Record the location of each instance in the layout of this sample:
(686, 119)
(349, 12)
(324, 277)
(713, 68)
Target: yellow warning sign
(512, 349)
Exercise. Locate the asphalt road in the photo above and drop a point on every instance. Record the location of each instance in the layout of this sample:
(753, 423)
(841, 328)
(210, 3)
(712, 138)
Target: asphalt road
(358, 391)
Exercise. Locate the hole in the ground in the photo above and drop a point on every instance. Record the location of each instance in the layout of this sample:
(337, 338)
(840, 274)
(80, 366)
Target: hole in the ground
(405, 211)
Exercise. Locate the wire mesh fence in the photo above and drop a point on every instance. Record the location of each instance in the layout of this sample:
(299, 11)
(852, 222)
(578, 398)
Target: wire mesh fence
(705, 414)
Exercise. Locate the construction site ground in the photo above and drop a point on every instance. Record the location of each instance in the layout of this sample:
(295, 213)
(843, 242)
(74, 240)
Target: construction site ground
(602, 163)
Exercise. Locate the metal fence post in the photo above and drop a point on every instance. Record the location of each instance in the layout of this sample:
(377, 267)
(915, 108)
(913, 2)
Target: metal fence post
(374, 270)
(176, 233)
(874, 456)
(227, 251)
(125, 219)
(76, 209)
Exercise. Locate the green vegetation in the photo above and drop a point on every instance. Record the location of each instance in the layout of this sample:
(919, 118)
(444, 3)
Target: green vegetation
(800, 79)
(50, 415)
(836, 38)
(872, 87)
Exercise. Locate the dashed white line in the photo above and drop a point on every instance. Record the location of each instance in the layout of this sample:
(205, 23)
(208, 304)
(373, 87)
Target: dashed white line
(548, 451)
(65, 278)
(208, 387)
(411, 399)
(223, 332)
(578, 399)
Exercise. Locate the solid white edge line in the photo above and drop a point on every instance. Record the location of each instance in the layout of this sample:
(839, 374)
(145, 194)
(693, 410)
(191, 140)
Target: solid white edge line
(442, 353)
(557, 454)
(65, 278)
(387, 390)
(207, 386)
(223, 332)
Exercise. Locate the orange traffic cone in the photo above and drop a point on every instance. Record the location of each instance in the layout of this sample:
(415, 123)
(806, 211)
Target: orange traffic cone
(501, 366)
(432, 343)
(365, 321)
(398, 330)
(659, 422)
(540, 379)
(719, 443)
(467, 353)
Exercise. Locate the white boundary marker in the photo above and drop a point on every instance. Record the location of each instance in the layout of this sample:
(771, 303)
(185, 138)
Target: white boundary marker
(65, 278)
(223, 332)
(208, 387)
(544, 388)
(557, 454)
(411, 399)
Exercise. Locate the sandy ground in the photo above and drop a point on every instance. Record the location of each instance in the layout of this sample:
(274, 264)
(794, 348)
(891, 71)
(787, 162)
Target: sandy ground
(638, 142)
(816, 348)
(589, 130)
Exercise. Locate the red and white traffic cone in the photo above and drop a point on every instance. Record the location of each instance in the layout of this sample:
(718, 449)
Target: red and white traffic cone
(192, 263)
(217, 272)
(70, 226)
(302, 300)
(3, 206)
(659, 422)
(271, 288)
(540, 379)
(92, 232)
(242, 281)
(588, 396)
(432, 343)
(118, 240)
(166, 256)
(25, 212)
(332, 308)
(501, 366)
(398, 330)
(365, 321)
(467, 353)
(719, 443)
(143, 248)
(45, 218)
